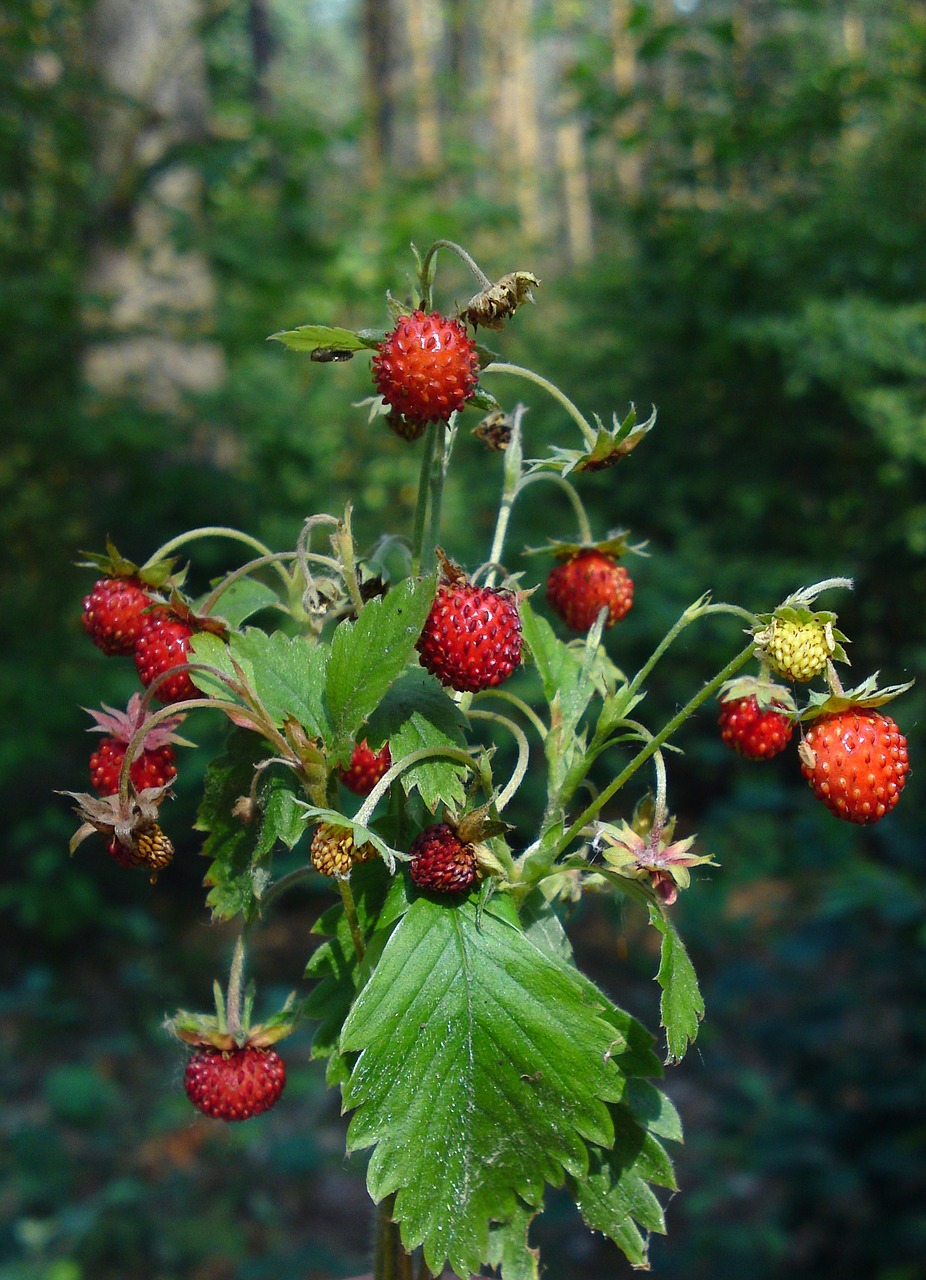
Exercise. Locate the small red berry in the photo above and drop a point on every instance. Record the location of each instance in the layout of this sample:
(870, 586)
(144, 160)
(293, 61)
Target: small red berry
(164, 643)
(113, 614)
(440, 862)
(426, 368)
(472, 637)
(234, 1085)
(582, 586)
(856, 762)
(152, 768)
(366, 768)
(755, 733)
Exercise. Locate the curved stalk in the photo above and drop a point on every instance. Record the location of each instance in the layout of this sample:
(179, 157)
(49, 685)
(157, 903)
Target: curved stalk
(515, 701)
(436, 494)
(523, 755)
(364, 813)
(585, 528)
(589, 435)
(210, 531)
(691, 614)
(461, 254)
(511, 486)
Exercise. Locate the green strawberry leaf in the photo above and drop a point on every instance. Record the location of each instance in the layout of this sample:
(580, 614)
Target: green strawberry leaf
(285, 672)
(240, 847)
(682, 1006)
(243, 598)
(312, 337)
(484, 1069)
(614, 1197)
(508, 1247)
(334, 965)
(415, 714)
(367, 655)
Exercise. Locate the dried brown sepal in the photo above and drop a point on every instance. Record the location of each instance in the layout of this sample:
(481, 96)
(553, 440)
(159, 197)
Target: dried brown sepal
(492, 306)
(115, 818)
(494, 431)
(404, 428)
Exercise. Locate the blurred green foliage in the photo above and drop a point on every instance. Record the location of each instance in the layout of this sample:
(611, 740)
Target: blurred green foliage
(766, 293)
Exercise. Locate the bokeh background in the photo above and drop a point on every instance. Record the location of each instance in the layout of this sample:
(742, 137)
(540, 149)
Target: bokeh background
(726, 202)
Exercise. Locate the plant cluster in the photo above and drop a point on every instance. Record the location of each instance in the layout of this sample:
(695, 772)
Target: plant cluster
(371, 697)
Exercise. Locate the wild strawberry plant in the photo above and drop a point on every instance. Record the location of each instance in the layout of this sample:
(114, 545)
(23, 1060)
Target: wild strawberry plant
(479, 1064)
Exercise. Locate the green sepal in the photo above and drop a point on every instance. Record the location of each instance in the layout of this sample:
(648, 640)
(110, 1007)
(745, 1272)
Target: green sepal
(610, 446)
(866, 696)
(614, 545)
(113, 564)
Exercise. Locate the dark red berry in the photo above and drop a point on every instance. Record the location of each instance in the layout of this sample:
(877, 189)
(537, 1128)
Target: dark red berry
(757, 734)
(440, 863)
(472, 637)
(113, 614)
(152, 768)
(366, 768)
(234, 1085)
(164, 643)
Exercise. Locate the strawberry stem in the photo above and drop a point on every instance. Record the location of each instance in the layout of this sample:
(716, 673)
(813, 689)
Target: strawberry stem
(364, 813)
(651, 747)
(210, 531)
(350, 913)
(233, 1006)
(511, 486)
(589, 435)
(523, 754)
(421, 507)
(461, 253)
(585, 528)
(515, 701)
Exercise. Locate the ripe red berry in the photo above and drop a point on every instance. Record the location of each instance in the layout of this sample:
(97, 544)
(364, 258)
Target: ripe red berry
(234, 1085)
(163, 643)
(366, 768)
(582, 586)
(425, 369)
(472, 637)
(755, 733)
(440, 862)
(113, 614)
(152, 768)
(856, 762)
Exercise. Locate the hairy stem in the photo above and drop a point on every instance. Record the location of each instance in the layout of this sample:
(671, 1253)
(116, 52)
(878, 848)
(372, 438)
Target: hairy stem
(350, 912)
(588, 433)
(666, 732)
(421, 506)
(461, 253)
(211, 531)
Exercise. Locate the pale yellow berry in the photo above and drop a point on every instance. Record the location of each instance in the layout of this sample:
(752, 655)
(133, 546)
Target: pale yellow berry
(797, 650)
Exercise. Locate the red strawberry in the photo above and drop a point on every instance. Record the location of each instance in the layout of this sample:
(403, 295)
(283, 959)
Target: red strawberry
(472, 637)
(585, 584)
(164, 643)
(440, 862)
(366, 768)
(856, 762)
(236, 1084)
(153, 765)
(757, 734)
(113, 613)
(425, 369)
(150, 769)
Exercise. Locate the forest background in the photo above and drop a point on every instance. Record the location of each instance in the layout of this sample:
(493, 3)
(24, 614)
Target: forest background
(726, 203)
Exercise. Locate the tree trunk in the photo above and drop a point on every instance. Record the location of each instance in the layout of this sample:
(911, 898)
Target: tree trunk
(509, 60)
(152, 302)
(378, 53)
(629, 160)
(421, 42)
